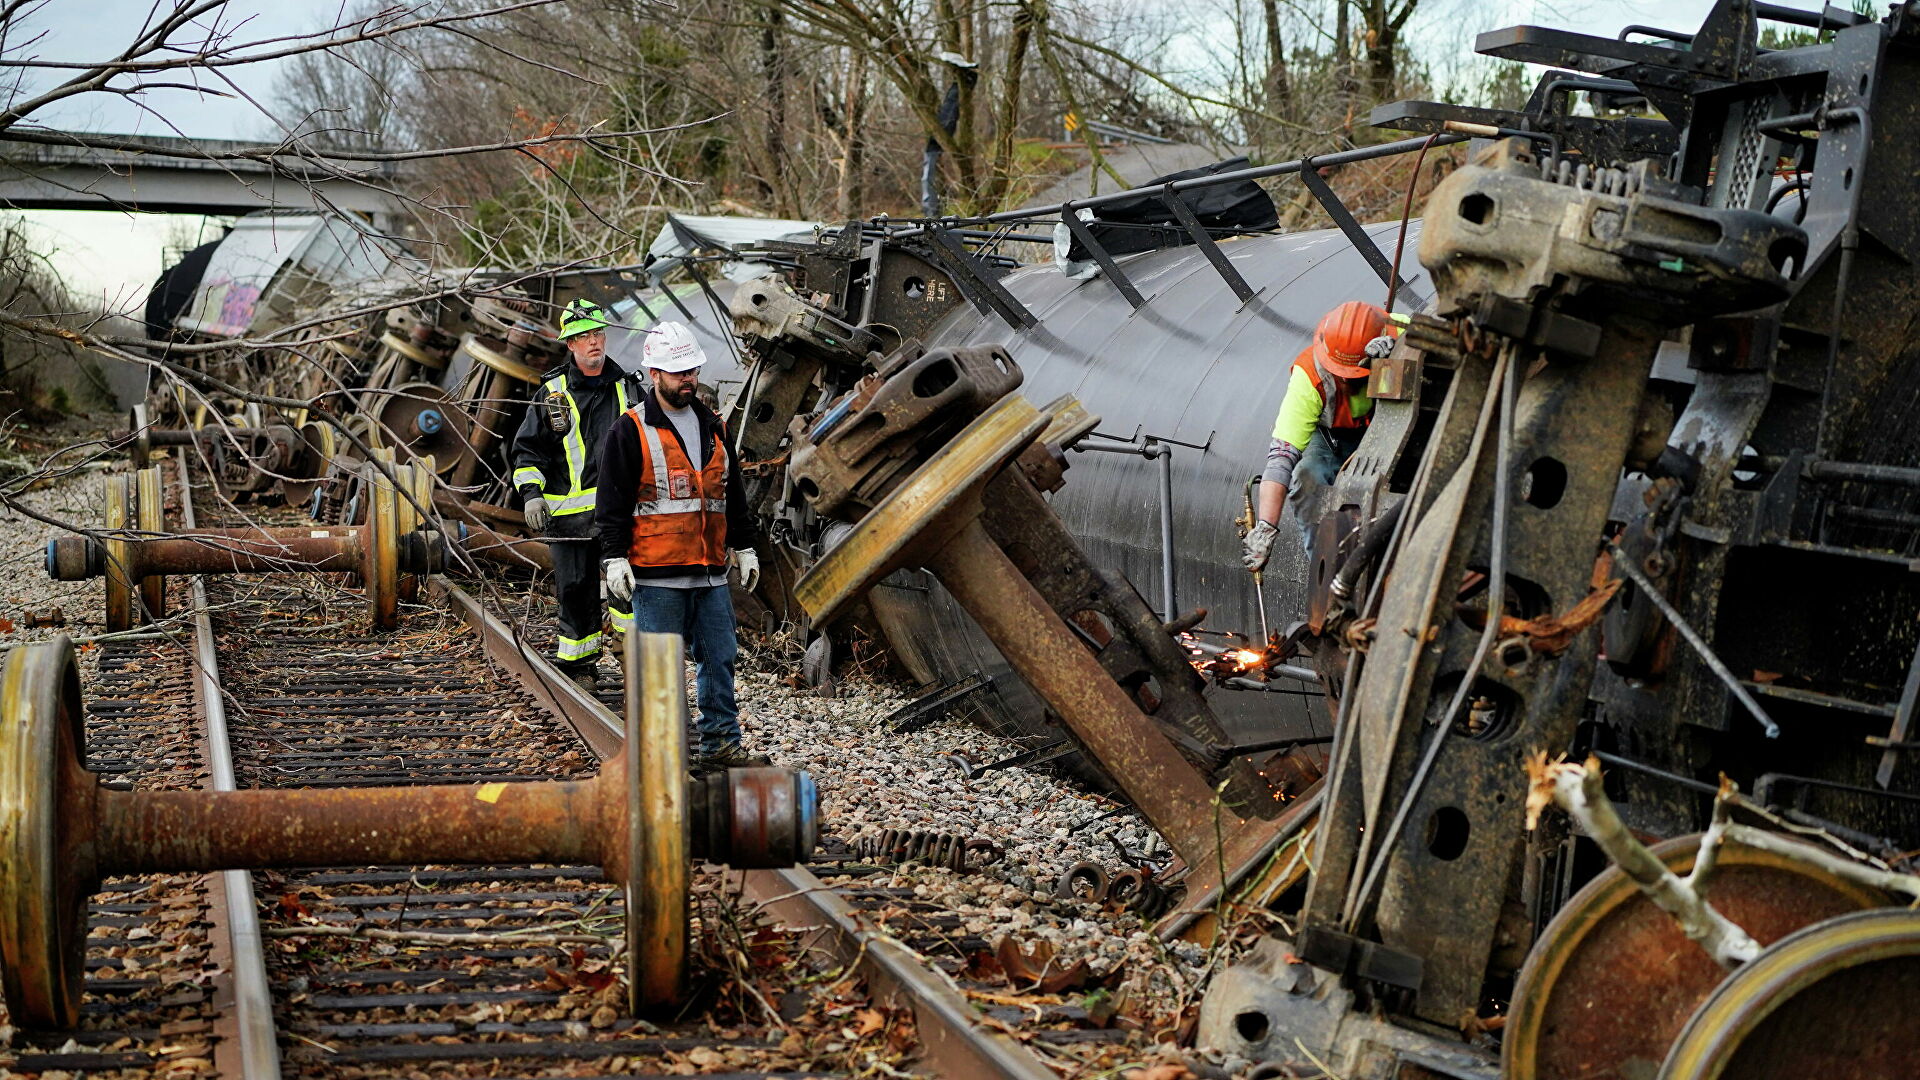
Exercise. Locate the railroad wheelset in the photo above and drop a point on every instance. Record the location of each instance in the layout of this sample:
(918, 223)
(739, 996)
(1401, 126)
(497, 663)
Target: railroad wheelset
(640, 819)
(134, 552)
(1613, 988)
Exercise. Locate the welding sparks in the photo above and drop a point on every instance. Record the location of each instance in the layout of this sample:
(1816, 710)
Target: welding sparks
(1221, 662)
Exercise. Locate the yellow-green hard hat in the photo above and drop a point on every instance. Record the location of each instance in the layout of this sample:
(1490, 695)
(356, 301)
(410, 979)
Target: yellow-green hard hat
(580, 317)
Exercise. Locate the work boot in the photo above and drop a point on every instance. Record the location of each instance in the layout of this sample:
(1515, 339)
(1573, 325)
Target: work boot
(730, 756)
(585, 676)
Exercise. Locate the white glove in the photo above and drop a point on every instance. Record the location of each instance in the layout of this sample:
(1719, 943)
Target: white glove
(1258, 546)
(619, 575)
(747, 561)
(538, 516)
(1379, 347)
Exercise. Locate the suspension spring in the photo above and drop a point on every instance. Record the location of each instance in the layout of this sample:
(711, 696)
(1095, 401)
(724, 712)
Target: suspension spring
(951, 850)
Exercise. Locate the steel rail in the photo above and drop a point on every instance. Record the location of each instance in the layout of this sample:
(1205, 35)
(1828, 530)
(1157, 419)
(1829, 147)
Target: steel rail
(954, 1041)
(252, 1047)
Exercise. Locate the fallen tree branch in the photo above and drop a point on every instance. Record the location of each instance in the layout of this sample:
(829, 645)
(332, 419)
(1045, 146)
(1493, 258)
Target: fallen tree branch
(1904, 884)
(1576, 788)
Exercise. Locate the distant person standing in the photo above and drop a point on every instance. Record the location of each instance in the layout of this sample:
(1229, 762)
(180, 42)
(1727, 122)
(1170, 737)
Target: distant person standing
(964, 70)
(556, 468)
(671, 506)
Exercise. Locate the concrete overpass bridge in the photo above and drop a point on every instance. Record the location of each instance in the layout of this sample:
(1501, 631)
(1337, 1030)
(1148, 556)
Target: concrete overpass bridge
(52, 170)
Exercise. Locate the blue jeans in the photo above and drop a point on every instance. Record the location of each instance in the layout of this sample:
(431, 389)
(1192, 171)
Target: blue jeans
(704, 620)
(1323, 456)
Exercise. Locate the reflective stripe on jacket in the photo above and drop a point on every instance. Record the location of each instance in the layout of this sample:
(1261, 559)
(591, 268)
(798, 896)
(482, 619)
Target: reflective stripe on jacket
(1305, 405)
(573, 444)
(680, 509)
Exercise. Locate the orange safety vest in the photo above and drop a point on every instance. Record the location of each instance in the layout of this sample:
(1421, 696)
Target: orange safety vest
(680, 510)
(1342, 405)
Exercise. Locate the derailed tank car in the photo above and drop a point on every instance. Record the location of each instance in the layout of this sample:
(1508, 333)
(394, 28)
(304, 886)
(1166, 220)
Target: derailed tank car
(1641, 499)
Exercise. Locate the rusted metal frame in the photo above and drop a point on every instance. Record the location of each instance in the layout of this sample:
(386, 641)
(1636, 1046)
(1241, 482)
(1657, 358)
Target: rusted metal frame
(248, 1045)
(602, 731)
(954, 1042)
(988, 295)
(1902, 729)
(1356, 235)
(1456, 447)
(1580, 412)
(1338, 846)
(521, 553)
(1105, 261)
(1170, 195)
(1017, 518)
(1506, 372)
(1044, 652)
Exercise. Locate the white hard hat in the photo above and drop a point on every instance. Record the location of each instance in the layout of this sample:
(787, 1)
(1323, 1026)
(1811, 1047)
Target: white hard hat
(672, 349)
(955, 59)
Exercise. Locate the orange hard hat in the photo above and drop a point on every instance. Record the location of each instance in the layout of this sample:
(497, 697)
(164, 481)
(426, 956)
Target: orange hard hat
(1340, 341)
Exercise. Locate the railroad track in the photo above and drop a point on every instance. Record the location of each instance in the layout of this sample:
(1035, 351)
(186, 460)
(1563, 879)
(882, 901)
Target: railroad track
(490, 970)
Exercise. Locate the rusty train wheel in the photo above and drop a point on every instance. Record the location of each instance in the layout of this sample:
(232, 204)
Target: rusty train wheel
(382, 559)
(1832, 1000)
(150, 503)
(142, 430)
(43, 886)
(657, 823)
(118, 550)
(498, 361)
(410, 351)
(316, 456)
(1611, 980)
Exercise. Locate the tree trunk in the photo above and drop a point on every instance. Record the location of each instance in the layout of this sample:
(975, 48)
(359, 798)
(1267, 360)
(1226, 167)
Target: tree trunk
(1344, 87)
(1007, 123)
(1382, 32)
(1276, 85)
(773, 72)
(956, 35)
(853, 160)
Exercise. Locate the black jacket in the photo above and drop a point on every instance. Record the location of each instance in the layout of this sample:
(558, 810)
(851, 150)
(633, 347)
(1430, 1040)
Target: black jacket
(538, 446)
(621, 461)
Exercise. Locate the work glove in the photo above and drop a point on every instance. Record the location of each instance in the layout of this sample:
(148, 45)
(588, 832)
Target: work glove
(747, 561)
(619, 575)
(1258, 547)
(538, 515)
(1379, 347)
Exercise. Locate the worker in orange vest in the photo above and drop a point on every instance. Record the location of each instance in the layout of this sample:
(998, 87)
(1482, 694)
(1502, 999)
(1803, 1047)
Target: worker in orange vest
(1323, 416)
(671, 515)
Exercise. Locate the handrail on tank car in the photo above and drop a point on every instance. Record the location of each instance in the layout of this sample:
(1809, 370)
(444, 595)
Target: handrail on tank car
(1018, 317)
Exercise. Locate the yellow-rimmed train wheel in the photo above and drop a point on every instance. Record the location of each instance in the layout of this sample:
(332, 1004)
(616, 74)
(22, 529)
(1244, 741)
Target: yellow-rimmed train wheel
(45, 870)
(119, 518)
(657, 839)
(382, 562)
(1832, 1000)
(1611, 980)
(150, 505)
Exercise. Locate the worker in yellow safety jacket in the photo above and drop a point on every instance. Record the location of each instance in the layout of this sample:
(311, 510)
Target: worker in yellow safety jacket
(1324, 414)
(556, 470)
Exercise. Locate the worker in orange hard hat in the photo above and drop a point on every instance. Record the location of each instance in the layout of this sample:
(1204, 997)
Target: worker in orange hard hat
(1324, 414)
